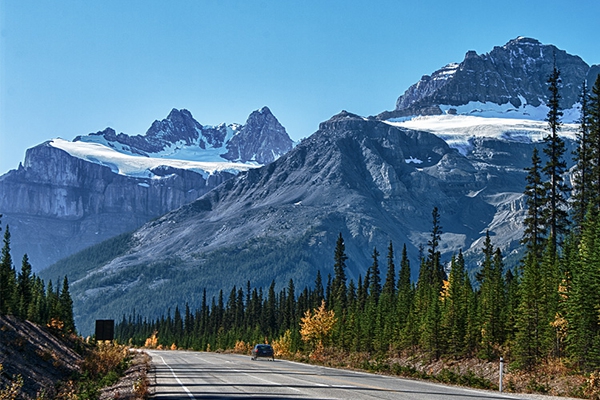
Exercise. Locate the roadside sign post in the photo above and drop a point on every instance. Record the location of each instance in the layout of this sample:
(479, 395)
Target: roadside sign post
(501, 370)
(105, 329)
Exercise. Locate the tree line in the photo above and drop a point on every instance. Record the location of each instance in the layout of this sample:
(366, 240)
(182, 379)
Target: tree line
(544, 308)
(25, 295)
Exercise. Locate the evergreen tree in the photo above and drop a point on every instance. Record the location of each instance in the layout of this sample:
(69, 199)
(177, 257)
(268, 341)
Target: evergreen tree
(374, 278)
(535, 198)
(594, 132)
(427, 295)
(318, 294)
(338, 286)
(583, 302)
(389, 287)
(372, 321)
(65, 306)
(387, 304)
(533, 337)
(271, 310)
(583, 163)
(290, 307)
(405, 292)
(456, 308)
(433, 253)
(7, 278)
(491, 300)
(339, 298)
(555, 215)
(24, 288)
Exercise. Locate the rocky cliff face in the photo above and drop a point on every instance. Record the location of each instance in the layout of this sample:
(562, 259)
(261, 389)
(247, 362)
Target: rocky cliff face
(514, 75)
(57, 203)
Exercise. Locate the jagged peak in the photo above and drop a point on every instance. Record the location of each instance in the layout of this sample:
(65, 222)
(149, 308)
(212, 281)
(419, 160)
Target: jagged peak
(265, 110)
(344, 120)
(523, 40)
(344, 115)
(176, 114)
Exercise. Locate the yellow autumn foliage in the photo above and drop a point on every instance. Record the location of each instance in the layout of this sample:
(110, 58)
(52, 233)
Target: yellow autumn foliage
(316, 326)
(152, 341)
(282, 346)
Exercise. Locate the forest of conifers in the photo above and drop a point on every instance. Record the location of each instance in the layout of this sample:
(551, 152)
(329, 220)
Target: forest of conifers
(25, 295)
(547, 307)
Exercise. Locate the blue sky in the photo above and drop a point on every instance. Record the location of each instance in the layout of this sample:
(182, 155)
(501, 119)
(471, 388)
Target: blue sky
(73, 67)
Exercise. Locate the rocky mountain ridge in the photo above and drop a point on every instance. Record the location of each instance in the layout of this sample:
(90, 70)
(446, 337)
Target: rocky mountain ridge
(513, 76)
(262, 139)
(67, 196)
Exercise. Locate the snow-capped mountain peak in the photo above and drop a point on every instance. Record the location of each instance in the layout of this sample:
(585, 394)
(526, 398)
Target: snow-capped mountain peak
(180, 139)
(509, 81)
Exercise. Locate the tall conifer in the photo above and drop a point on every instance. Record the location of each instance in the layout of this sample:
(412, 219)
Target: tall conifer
(556, 203)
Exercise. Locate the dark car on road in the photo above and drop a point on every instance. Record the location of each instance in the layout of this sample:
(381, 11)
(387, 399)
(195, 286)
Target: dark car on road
(263, 350)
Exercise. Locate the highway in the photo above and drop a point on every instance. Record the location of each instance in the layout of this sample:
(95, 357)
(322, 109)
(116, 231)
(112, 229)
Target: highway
(199, 375)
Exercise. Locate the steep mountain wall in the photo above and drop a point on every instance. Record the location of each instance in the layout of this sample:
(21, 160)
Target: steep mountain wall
(57, 204)
(514, 74)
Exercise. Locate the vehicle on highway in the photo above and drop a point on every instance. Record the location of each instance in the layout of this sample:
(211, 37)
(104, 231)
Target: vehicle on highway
(263, 350)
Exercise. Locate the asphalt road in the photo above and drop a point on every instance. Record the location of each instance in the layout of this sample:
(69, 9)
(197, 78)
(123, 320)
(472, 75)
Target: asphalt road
(198, 375)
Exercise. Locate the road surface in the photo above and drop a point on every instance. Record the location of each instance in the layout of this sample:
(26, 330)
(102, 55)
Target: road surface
(199, 375)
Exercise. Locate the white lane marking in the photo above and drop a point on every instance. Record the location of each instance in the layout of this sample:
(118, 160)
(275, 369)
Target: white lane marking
(177, 379)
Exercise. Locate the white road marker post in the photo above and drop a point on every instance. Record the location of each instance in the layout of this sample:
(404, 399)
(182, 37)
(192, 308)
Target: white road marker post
(501, 370)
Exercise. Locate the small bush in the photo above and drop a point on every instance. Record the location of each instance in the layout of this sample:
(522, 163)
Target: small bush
(592, 386)
(11, 391)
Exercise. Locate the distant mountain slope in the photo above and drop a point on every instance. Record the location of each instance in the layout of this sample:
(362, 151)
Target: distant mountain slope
(370, 180)
(67, 196)
(509, 80)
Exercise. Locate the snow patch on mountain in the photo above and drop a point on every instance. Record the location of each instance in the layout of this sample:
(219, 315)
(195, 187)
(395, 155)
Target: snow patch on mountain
(141, 167)
(459, 130)
(507, 110)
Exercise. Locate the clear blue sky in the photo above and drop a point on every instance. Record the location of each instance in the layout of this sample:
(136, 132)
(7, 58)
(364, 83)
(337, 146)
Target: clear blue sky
(74, 67)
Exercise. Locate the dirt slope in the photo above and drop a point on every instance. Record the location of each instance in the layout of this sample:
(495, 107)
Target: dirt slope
(33, 352)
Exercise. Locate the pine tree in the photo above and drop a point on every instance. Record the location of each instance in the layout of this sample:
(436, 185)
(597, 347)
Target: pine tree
(427, 295)
(433, 253)
(534, 336)
(491, 298)
(535, 197)
(290, 307)
(339, 299)
(389, 287)
(24, 288)
(583, 301)
(375, 278)
(554, 210)
(456, 308)
(65, 306)
(405, 292)
(387, 304)
(339, 281)
(583, 163)
(372, 321)
(594, 132)
(271, 310)
(7, 278)
(318, 293)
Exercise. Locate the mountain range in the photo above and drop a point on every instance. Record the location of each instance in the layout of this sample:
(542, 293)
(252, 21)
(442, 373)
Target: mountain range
(69, 195)
(458, 140)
